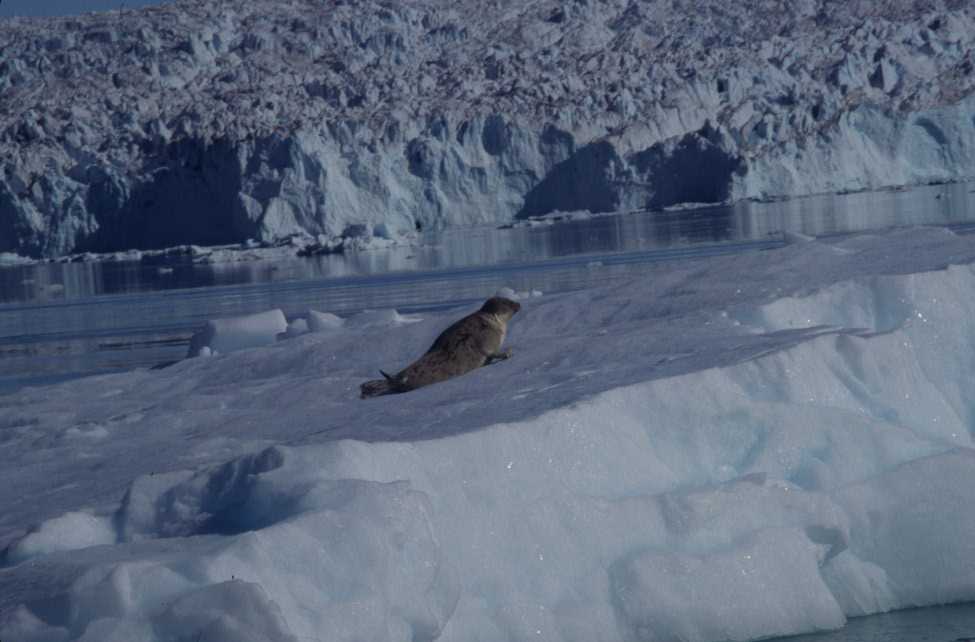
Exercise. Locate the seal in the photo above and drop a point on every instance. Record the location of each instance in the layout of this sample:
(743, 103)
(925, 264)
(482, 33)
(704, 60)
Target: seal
(468, 344)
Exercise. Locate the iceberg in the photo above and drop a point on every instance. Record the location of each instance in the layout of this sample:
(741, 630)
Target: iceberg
(725, 448)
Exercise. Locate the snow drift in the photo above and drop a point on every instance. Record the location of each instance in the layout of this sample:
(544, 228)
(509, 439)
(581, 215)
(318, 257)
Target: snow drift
(195, 122)
(694, 455)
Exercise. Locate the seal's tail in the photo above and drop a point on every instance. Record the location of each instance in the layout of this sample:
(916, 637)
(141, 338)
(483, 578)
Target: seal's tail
(376, 387)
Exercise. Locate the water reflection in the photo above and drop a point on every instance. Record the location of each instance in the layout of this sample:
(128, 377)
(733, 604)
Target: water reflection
(747, 221)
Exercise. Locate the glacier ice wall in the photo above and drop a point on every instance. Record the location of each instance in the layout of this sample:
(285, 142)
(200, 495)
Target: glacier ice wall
(200, 123)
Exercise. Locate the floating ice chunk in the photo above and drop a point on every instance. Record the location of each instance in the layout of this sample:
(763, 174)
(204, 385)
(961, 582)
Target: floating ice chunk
(11, 258)
(510, 293)
(690, 205)
(371, 318)
(322, 321)
(314, 322)
(69, 532)
(295, 328)
(551, 218)
(356, 237)
(797, 237)
(238, 333)
(506, 292)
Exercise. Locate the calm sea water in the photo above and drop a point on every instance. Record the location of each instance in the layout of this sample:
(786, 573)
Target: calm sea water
(64, 320)
(955, 623)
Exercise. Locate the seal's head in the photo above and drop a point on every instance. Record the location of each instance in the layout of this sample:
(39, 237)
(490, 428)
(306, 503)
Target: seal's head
(501, 307)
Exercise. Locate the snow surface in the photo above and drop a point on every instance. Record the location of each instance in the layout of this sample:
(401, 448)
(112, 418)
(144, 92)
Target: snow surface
(724, 449)
(214, 122)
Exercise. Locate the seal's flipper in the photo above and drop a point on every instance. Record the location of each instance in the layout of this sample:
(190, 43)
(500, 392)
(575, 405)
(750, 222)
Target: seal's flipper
(375, 388)
(397, 381)
(498, 356)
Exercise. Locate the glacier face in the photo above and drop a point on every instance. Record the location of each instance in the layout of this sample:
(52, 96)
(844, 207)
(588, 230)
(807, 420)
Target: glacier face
(195, 122)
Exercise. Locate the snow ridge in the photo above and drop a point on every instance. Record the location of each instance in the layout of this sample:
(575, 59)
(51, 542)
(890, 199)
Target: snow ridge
(215, 122)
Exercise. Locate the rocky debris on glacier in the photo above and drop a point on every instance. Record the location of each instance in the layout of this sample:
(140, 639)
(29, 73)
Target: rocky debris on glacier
(211, 122)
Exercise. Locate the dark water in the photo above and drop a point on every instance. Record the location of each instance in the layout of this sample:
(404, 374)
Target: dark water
(65, 320)
(954, 623)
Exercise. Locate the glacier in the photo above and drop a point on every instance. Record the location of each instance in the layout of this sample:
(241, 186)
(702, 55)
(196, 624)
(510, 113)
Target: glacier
(724, 448)
(200, 123)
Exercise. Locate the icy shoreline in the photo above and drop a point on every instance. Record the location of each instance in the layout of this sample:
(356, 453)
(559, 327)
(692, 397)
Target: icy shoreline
(295, 245)
(729, 448)
(195, 123)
